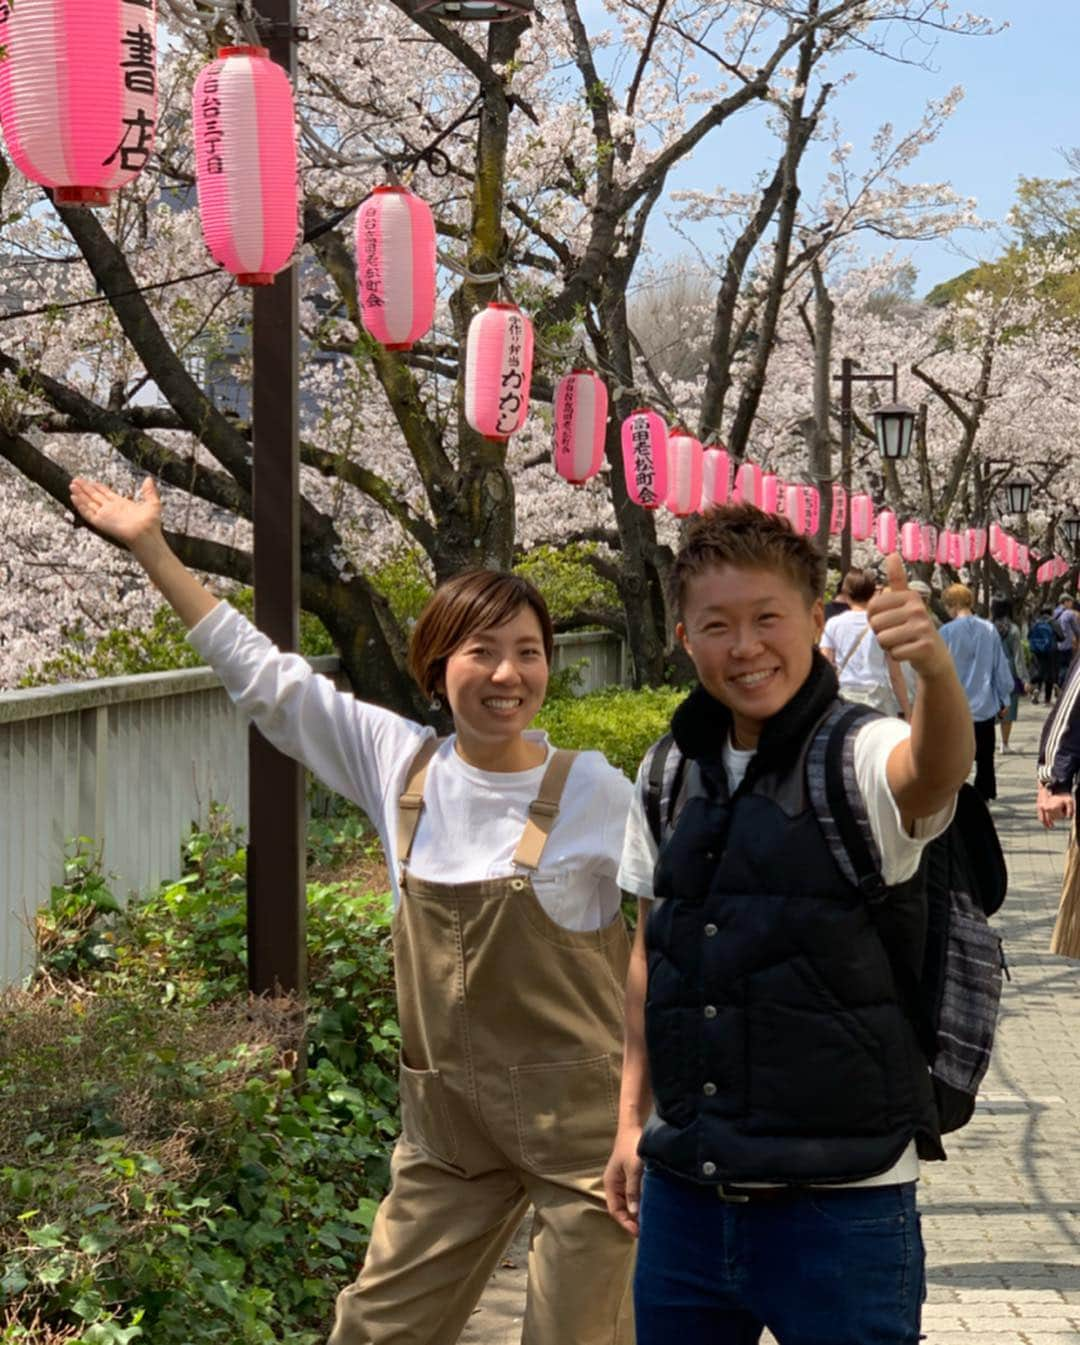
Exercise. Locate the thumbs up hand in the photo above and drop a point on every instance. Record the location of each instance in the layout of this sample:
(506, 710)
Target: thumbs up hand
(903, 626)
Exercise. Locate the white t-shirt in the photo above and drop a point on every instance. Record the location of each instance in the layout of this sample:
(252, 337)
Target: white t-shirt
(866, 667)
(472, 820)
(900, 852)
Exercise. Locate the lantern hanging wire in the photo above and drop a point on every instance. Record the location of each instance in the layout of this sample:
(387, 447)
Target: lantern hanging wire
(478, 11)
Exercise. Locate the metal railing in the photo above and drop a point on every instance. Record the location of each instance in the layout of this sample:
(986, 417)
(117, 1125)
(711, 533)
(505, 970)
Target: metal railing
(132, 763)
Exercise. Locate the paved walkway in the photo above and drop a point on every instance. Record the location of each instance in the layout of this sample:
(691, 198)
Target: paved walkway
(1001, 1218)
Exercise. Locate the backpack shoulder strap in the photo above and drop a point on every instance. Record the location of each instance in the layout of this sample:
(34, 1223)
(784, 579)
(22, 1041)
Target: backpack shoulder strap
(840, 809)
(664, 772)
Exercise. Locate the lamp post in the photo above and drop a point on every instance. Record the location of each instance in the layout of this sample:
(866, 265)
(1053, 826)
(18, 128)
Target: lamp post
(1071, 528)
(1018, 495)
(893, 429)
(482, 11)
(276, 906)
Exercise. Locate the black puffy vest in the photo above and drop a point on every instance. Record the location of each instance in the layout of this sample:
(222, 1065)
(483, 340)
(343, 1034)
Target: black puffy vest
(777, 1048)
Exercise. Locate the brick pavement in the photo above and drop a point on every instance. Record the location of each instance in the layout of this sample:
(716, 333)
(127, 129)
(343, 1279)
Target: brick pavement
(1001, 1218)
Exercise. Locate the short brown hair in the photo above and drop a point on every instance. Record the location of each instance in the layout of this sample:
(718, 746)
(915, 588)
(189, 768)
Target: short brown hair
(750, 539)
(470, 602)
(957, 596)
(859, 585)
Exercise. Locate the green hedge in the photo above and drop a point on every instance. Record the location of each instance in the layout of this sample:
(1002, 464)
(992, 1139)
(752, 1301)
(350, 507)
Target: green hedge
(618, 722)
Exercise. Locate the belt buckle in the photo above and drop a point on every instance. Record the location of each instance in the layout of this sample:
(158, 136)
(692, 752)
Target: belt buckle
(732, 1197)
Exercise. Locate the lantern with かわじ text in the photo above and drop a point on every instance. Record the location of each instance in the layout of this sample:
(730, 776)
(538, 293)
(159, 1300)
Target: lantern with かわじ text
(245, 163)
(498, 371)
(78, 93)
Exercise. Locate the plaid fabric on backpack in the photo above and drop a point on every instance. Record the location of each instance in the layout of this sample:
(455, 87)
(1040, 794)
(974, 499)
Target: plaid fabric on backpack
(953, 1004)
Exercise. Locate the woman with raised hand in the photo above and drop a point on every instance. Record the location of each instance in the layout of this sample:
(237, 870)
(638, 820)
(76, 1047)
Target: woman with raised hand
(510, 948)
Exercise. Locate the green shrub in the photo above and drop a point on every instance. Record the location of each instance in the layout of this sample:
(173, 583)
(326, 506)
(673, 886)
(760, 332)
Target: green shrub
(568, 582)
(616, 721)
(179, 1163)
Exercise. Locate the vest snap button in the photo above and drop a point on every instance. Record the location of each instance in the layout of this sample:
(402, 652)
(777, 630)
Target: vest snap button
(710, 930)
(710, 1010)
(517, 884)
(708, 1169)
(709, 1090)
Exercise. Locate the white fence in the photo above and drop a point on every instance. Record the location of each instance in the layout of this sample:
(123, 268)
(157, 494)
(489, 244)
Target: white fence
(131, 762)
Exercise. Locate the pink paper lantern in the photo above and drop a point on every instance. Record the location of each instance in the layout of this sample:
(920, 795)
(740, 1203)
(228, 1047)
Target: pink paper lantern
(645, 457)
(999, 543)
(395, 267)
(862, 517)
(78, 93)
(838, 512)
(770, 492)
(976, 543)
(245, 163)
(956, 550)
(498, 371)
(929, 542)
(812, 496)
(1023, 559)
(715, 477)
(1012, 554)
(685, 468)
(911, 542)
(747, 485)
(1042, 574)
(796, 509)
(581, 408)
(886, 531)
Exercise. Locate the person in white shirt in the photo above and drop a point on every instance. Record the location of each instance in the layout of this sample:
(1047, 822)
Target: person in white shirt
(868, 675)
(510, 948)
(774, 1098)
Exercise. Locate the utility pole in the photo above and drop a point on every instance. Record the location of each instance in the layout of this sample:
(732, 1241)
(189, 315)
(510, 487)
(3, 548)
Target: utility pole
(846, 378)
(276, 900)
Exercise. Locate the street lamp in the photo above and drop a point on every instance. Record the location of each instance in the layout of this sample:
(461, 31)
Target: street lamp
(483, 11)
(1018, 495)
(1071, 528)
(894, 428)
(846, 378)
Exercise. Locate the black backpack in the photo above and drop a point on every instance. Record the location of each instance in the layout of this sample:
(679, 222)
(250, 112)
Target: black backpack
(953, 1004)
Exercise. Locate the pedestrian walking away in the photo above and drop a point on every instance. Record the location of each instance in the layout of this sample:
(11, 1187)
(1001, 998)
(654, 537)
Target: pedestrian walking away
(1043, 636)
(1058, 781)
(984, 673)
(775, 1099)
(868, 676)
(1009, 634)
(1068, 623)
(510, 948)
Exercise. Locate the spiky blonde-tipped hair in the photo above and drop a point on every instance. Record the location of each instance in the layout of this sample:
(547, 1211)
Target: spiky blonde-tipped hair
(749, 539)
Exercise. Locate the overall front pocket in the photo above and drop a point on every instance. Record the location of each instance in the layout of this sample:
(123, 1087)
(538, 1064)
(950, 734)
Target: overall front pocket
(425, 1116)
(565, 1112)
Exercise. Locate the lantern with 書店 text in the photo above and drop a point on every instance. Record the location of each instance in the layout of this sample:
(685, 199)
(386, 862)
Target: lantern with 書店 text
(78, 93)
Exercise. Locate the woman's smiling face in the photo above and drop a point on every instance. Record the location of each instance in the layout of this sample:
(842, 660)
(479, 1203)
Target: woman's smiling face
(751, 635)
(495, 679)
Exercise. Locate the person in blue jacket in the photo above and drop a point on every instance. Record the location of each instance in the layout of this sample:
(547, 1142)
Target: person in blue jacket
(984, 674)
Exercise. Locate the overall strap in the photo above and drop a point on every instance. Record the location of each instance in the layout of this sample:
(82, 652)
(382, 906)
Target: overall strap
(543, 810)
(411, 802)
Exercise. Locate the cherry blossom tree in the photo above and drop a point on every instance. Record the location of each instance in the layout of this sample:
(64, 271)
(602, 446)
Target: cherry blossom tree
(544, 150)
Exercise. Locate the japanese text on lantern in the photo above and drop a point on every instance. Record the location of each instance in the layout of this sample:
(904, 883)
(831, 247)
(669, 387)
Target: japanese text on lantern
(564, 445)
(140, 78)
(213, 133)
(372, 296)
(513, 377)
(641, 441)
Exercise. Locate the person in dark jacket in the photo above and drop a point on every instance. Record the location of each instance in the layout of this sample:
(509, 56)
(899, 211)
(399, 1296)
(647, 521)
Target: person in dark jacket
(1059, 778)
(773, 1088)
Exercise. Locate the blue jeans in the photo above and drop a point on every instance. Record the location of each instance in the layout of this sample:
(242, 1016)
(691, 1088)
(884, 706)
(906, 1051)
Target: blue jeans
(841, 1268)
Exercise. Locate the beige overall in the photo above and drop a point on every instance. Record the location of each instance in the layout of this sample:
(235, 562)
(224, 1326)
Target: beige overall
(511, 1047)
